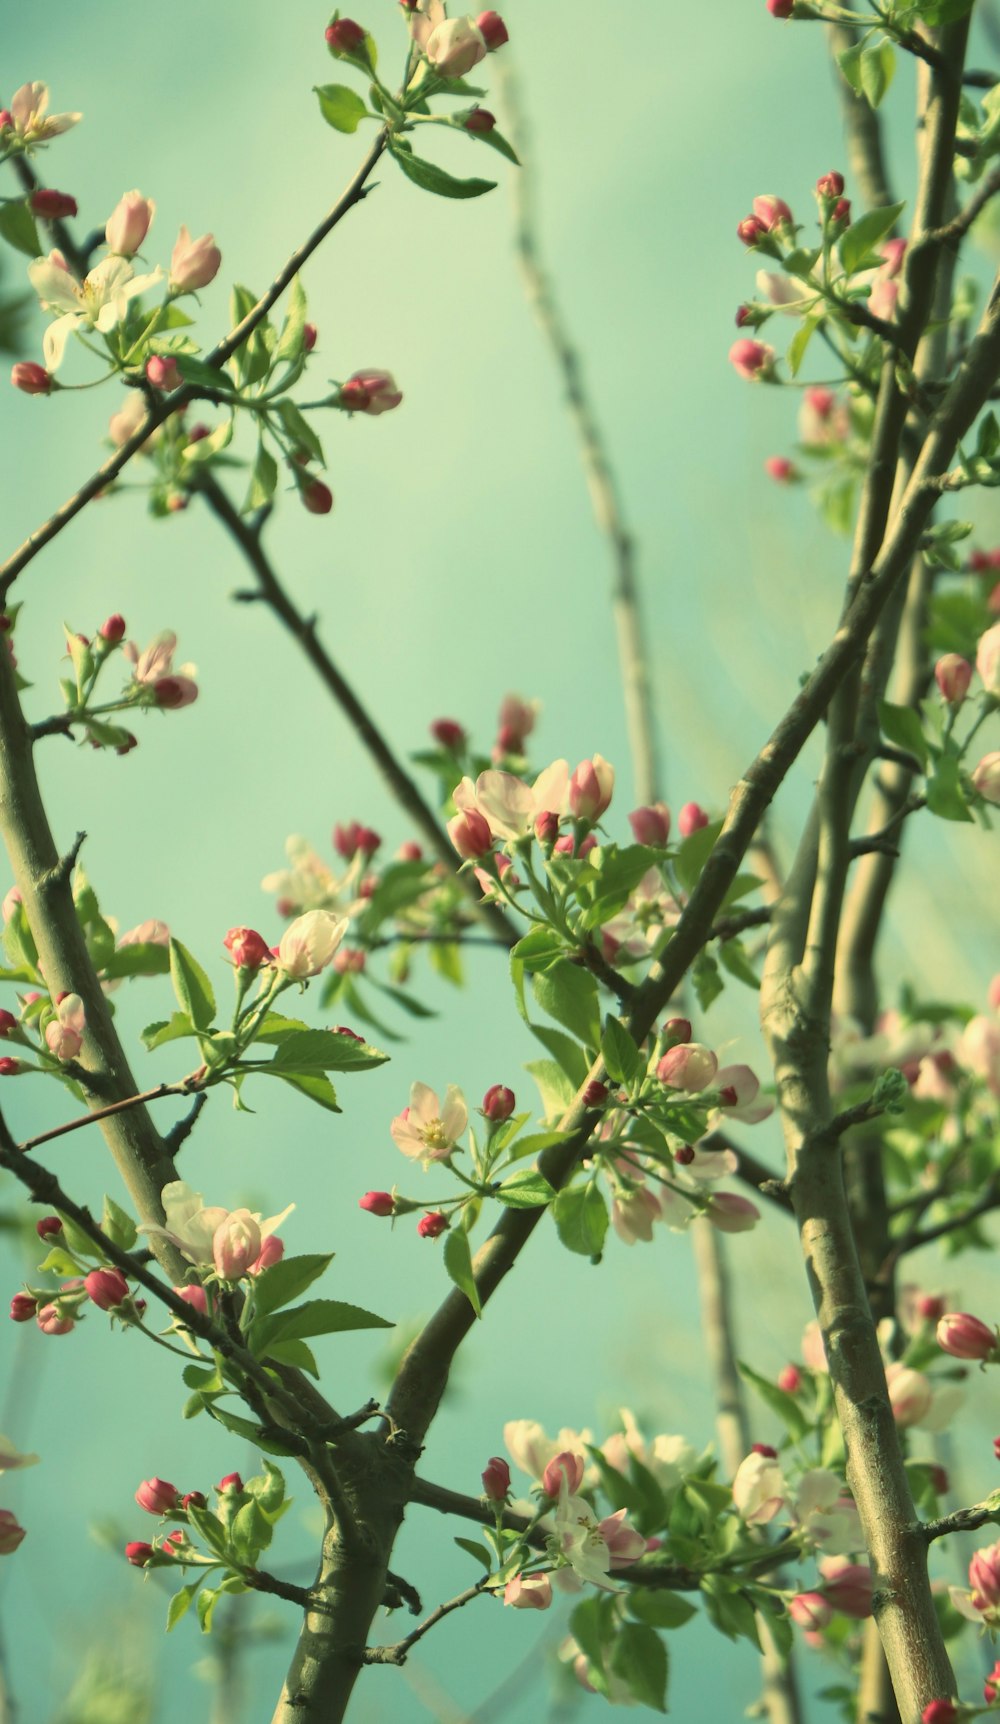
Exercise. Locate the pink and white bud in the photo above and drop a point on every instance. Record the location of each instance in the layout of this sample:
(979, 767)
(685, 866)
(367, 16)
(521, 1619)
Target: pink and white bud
(377, 1202)
(910, 1395)
(781, 468)
(11, 1532)
(984, 1577)
(810, 1610)
(193, 262)
(129, 223)
(54, 1319)
(156, 1496)
(690, 1066)
(830, 185)
(675, 1031)
(771, 211)
(499, 1103)
(271, 1252)
(986, 777)
(455, 46)
(781, 8)
(371, 392)
(750, 231)
(848, 1585)
(236, 1243)
(308, 944)
(528, 1592)
(633, 1214)
(496, 1480)
(162, 372)
(988, 660)
(691, 819)
(32, 379)
(790, 1379)
(953, 674)
(108, 1288)
(965, 1337)
(752, 359)
(729, 1213)
(759, 1489)
(194, 1296)
(470, 833)
(248, 949)
(568, 1466)
(591, 788)
(651, 824)
(624, 1543)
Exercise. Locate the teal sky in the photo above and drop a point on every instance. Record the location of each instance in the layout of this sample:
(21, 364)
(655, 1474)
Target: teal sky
(461, 561)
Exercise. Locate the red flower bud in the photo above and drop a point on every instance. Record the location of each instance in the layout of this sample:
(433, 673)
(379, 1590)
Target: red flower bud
(194, 1499)
(22, 1308)
(162, 372)
(749, 230)
(248, 949)
(684, 1155)
(764, 1449)
(108, 1288)
(494, 30)
(343, 36)
(231, 1482)
(691, 819)
(480, 120)
(496, 1480)
(448, 732)
(138, 1553)
(52, 205)
(498, 1103)
(49, 1224)
(431, 1224)
(317, 497)
(939, 1712)
(830, 185)
(31, 379)
(156, 1496)
(781, 8)
(790, 1379)
(10, 1067)
(310, 336)
(112, 629)
(595, 1094)
(377, 1202)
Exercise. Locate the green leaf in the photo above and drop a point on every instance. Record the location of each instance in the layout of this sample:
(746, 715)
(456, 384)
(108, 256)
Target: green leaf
(639, 1657)
(620, 1054)
(177, 1027)
(292, 337)
(660, 1608)
(527, 1190)
(17, 227)
(705, 978)
(694, 853)
(568, 1054)
(208, 1598)
(297, 1353)
(901, 726)
(569, 994)
(263, 480)
(800, 341)
(315, 1317)
(878, 66)
(431, 178)
(554, 1087)
(181, 1603)
(535, 1142)
(117, 1225)
(313, 1085)
(944, 11)
(540, 948)
(581, 1217)
(192, 987)
(479, 1551)
(209, 1527)
(496, 141)
(301, 432)
(850, 65)
(286, 1280)
(945, 796)
(784, 1405)
(324, 1050)
(341, 107)
(250, 1533)
(857, 245)
(202, 451)
(458, 1262)
(146, 958)
(733, 957)
(246, 1428)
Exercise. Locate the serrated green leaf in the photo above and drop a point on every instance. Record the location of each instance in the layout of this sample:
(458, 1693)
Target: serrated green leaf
(660, 1608)
(315, 1317)
(341, 107)
(945, 796)
(192, 987)
(208, 1598)
(431, 178)
(181, 1603)
(145, 958)
(733, 957)
(245, 1428)
(324, 1050)
(784, 1405)
(569, 994)
(296, 1353)
(250, 1533)
(301, 432)
(17, 227)
(799, 342)
(315, 1086)
(263, 480)
(527, 1190)
(118, 1225)
(581, 1217)
(554, 1087)
(694, 853)
(286, 1280)
(639, 1658)
(619, 1053)
(850, 65)
(857, 245)
(458, 1262)
(539, 949)
(173, 1030)
(878, 66)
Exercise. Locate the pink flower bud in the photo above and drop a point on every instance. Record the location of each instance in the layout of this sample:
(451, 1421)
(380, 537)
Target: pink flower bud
(689, 1066)
(410, 851)
(112, 629)
(991, 1687)
(810, 1610)
(750, 230)
(590, 788)
(377, 1202)
(780, 468)
(248, 949)
(162, 372)
(371, 392)
(498, 1103)
(236, 1243)
(317, 497)
(156, 1496)
(108, 1288)
(48, 1225)
(480, 120)
(22, 1308)
(985, 779)
(684, 1155)
(10, 1067)
(231, 1482)
(953, 674)
(528, 1592)
(965, 1337)
(691, 819)
(344, 36)
(830, 185)
(790, 1379)
(568, 1466)
(496, 1480)
(172, 692)
(31, 379)
(7, 118)
(194, 1499)
(494, 30)
(595, 1094)
(984, 1577)
(52, 205)
(547, 827)
(781, 8)
(349, 839)
(848, 1585)
(128, 224)
(731, 1214)
(841, 212)
(138, 1553)
(676, 1030)
(651, 824)
(271, 1252)
(470, 833)
(454, 47)
(771, 211)
(745, 315)
(448, 732)
(52, 1319)
(752, 359)
(432, 1224)
(910, 1395)
(193, 262)
(11, 1532)
(194, 1296)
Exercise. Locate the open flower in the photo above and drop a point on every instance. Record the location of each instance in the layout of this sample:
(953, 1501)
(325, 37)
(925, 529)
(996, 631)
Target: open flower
(592, 1547)
(509, 805)
(425, 1130)
(33, 124)
(153, 670)
(193, 1227)
(99, 302)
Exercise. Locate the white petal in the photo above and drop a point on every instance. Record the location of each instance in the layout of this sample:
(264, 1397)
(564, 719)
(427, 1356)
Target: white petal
(55, 338)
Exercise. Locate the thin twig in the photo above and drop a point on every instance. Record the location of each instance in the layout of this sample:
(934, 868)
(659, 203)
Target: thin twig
(397, 1654)
(962, 1520)
(184, 1087)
